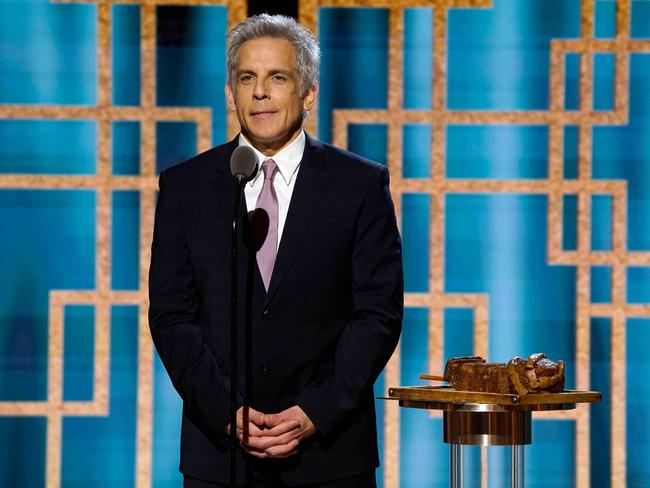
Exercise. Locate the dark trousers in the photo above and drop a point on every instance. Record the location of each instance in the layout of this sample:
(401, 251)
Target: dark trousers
(363, 481)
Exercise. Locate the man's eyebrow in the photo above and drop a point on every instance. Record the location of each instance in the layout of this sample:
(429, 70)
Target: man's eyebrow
(280, 72)
(273, 71)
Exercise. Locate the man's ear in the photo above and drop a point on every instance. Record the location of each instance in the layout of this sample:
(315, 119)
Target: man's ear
(230, 98)
(310, 98)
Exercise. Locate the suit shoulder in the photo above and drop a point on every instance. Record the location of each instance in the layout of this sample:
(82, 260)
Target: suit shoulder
(352, 163)
(357, 170)
(207, 160)
(200, 167)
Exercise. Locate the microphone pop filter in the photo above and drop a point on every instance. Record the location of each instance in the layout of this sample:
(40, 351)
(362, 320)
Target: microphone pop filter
(243, 162)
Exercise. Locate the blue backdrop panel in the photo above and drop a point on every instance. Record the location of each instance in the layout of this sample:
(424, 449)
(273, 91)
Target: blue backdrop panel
(498, 59)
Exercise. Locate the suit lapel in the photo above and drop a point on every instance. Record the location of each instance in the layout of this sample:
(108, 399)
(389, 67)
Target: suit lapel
(306, 196)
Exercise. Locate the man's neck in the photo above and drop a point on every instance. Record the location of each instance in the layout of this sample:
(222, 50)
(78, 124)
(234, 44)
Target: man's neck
(271, 150)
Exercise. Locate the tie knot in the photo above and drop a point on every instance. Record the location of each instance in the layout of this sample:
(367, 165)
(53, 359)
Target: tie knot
(269, 167)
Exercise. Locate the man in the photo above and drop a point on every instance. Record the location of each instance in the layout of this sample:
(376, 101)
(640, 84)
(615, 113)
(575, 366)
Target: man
(323, 292)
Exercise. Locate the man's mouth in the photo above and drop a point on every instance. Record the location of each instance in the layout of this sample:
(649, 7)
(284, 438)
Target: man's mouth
(262, 114)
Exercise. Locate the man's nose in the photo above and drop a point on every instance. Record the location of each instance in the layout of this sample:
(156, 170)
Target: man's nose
(259, 91)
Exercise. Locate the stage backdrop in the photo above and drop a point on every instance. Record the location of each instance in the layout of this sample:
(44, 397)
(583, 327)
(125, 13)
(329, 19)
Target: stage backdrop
(517, 133)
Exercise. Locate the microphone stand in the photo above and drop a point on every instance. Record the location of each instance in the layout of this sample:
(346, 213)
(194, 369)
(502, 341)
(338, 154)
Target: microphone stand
(234, 344)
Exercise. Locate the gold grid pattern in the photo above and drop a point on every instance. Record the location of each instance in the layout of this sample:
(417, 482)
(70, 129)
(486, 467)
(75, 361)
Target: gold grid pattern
(555, 187)
(104, 183)
(437, 186)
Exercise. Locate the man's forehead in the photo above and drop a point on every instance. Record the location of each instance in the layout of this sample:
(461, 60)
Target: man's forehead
(267, 50)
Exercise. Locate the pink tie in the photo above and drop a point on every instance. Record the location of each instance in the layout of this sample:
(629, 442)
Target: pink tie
(268, 201)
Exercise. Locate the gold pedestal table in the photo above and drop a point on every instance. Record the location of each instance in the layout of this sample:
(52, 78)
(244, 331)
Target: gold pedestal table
(487, 419)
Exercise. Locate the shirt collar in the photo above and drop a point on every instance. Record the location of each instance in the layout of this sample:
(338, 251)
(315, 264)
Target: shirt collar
(287, 159)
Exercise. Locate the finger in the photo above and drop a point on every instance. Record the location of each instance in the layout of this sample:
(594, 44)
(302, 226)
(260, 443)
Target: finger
(255, 430)
(282, 456)
(255, 417)
(265, 442)
(272, 419)
(255, 452)
(282, 450)
(281, 428)
(252, 431)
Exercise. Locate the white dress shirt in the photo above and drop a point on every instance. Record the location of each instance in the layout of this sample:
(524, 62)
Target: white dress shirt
(288, 162)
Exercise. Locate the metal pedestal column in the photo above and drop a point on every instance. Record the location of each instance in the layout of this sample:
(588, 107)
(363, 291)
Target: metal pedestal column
(486, 425)
(456, 465)
(517, 480)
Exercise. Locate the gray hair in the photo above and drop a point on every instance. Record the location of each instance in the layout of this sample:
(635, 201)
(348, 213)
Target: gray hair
(278, 26)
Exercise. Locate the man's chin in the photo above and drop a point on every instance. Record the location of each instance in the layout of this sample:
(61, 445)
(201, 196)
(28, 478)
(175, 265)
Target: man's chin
(268, 140)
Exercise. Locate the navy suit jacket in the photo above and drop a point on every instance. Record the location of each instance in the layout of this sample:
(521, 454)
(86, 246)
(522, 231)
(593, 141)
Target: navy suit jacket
(320, 336)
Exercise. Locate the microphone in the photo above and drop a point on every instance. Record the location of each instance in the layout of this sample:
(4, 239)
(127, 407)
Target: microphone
(243, 163)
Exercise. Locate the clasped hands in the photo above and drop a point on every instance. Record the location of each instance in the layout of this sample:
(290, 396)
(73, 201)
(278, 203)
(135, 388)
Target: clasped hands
(274, 435)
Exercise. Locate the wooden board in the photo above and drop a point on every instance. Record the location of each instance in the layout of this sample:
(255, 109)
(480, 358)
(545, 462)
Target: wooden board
(446, 394)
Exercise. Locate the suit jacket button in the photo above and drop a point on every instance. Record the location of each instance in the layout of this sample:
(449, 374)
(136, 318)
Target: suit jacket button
(267, 315)
(264, 368)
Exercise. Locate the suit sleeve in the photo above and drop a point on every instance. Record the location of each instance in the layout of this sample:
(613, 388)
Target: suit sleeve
(370, 337)
(195, 373)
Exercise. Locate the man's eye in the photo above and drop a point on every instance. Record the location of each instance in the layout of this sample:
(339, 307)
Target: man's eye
(245, 78)
(280, 78)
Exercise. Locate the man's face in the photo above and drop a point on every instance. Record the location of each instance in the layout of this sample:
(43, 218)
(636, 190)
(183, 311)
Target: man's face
(266, 94)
